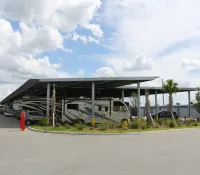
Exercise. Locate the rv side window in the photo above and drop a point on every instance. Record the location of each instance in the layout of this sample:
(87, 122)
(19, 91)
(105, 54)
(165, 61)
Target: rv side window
(72, 106)
(99, 108)
(106, 108)
(118, 106)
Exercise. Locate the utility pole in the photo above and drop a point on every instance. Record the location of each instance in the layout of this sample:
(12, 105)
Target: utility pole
(163, 94)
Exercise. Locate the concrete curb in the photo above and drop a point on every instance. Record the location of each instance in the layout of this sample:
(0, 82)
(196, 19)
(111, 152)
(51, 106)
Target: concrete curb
(124, 133)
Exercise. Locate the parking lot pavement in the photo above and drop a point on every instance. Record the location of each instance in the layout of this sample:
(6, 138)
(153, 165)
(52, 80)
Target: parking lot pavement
(162, 153)
(8, 122)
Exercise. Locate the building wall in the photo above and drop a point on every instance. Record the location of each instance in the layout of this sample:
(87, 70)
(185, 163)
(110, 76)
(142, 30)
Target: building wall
(181, 110)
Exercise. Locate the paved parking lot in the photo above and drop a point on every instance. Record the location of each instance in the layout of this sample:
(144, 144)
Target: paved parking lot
(8, 122)
(163, 153)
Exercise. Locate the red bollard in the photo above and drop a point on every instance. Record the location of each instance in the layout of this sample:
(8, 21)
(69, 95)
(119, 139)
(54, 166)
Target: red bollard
(22, 121)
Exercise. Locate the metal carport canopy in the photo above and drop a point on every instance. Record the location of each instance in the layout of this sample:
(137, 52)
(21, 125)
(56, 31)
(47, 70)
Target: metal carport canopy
(152, 90)
(38, 87)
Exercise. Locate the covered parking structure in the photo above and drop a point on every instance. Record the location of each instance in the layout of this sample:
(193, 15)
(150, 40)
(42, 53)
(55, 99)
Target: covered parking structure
(76, 87)
(127, 90)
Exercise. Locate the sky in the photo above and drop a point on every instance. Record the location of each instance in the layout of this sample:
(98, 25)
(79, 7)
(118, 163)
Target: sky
(100, 38)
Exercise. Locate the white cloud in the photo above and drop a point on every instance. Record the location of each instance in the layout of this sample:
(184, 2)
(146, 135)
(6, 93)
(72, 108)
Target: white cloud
(37, 40)
(81, 73)
(6, 89)
(104, 72)
(96, 29)
(164, 32)
(41, 27)
(17, 56)
(64, 15)
(18, 51)
(85, 39)
(126, 64)
(191, 64)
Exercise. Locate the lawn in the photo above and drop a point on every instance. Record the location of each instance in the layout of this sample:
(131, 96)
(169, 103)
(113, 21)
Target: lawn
(138, 125)
(97, 130)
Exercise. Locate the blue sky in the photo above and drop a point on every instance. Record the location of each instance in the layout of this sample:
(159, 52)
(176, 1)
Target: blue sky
(82, 56)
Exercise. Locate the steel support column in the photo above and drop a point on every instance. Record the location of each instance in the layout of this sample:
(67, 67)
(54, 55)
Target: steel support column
(93, 99)
(138, 89)
(156, 102)
(189, 104)
(122, 94)
(48, 99)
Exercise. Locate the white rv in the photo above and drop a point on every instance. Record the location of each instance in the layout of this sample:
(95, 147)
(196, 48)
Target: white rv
(8, 110)
(80, 110)
(77, 110)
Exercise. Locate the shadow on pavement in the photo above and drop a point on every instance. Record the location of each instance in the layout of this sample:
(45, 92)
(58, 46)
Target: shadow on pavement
(8, 122)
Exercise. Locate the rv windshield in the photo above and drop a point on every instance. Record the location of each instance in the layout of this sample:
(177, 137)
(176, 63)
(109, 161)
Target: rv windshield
(119, 106)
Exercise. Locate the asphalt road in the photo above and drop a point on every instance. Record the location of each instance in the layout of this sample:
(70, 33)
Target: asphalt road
(163, 153)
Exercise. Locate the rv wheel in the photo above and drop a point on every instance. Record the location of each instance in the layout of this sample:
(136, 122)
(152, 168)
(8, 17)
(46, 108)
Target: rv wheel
(28, 122)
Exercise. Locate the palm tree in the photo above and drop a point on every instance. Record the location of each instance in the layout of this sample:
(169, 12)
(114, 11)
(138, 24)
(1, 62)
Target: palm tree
(53, 104)
(147, 109)
(170, 87)
(147, 106)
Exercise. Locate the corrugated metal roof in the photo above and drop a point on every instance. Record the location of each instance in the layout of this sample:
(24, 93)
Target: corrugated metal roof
(38, 86)
(181, 89)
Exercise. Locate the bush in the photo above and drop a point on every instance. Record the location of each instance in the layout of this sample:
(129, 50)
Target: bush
(44, 122)
(179, 122)
(58, 124)
(103, 127)
(96, 126)
(143, 126)
(134, 125)
(157, 126)
(166, 122)
(160, 121)
(80, 126)
(195, 124)
(66, 125)
(171, 124)
(111, 125)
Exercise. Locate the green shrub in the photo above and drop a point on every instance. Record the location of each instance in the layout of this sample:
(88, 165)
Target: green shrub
(80, 126)
(160, 121)
(141, 120)
(103, 127)
(44, 122)
(188, 124)
(134, 124)
(96, 126)
(179, 122)
(58, 124)
(195, 124)
(171, 124)
(166, 122)
(144, 126)
(111, 125)
(66, 125)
